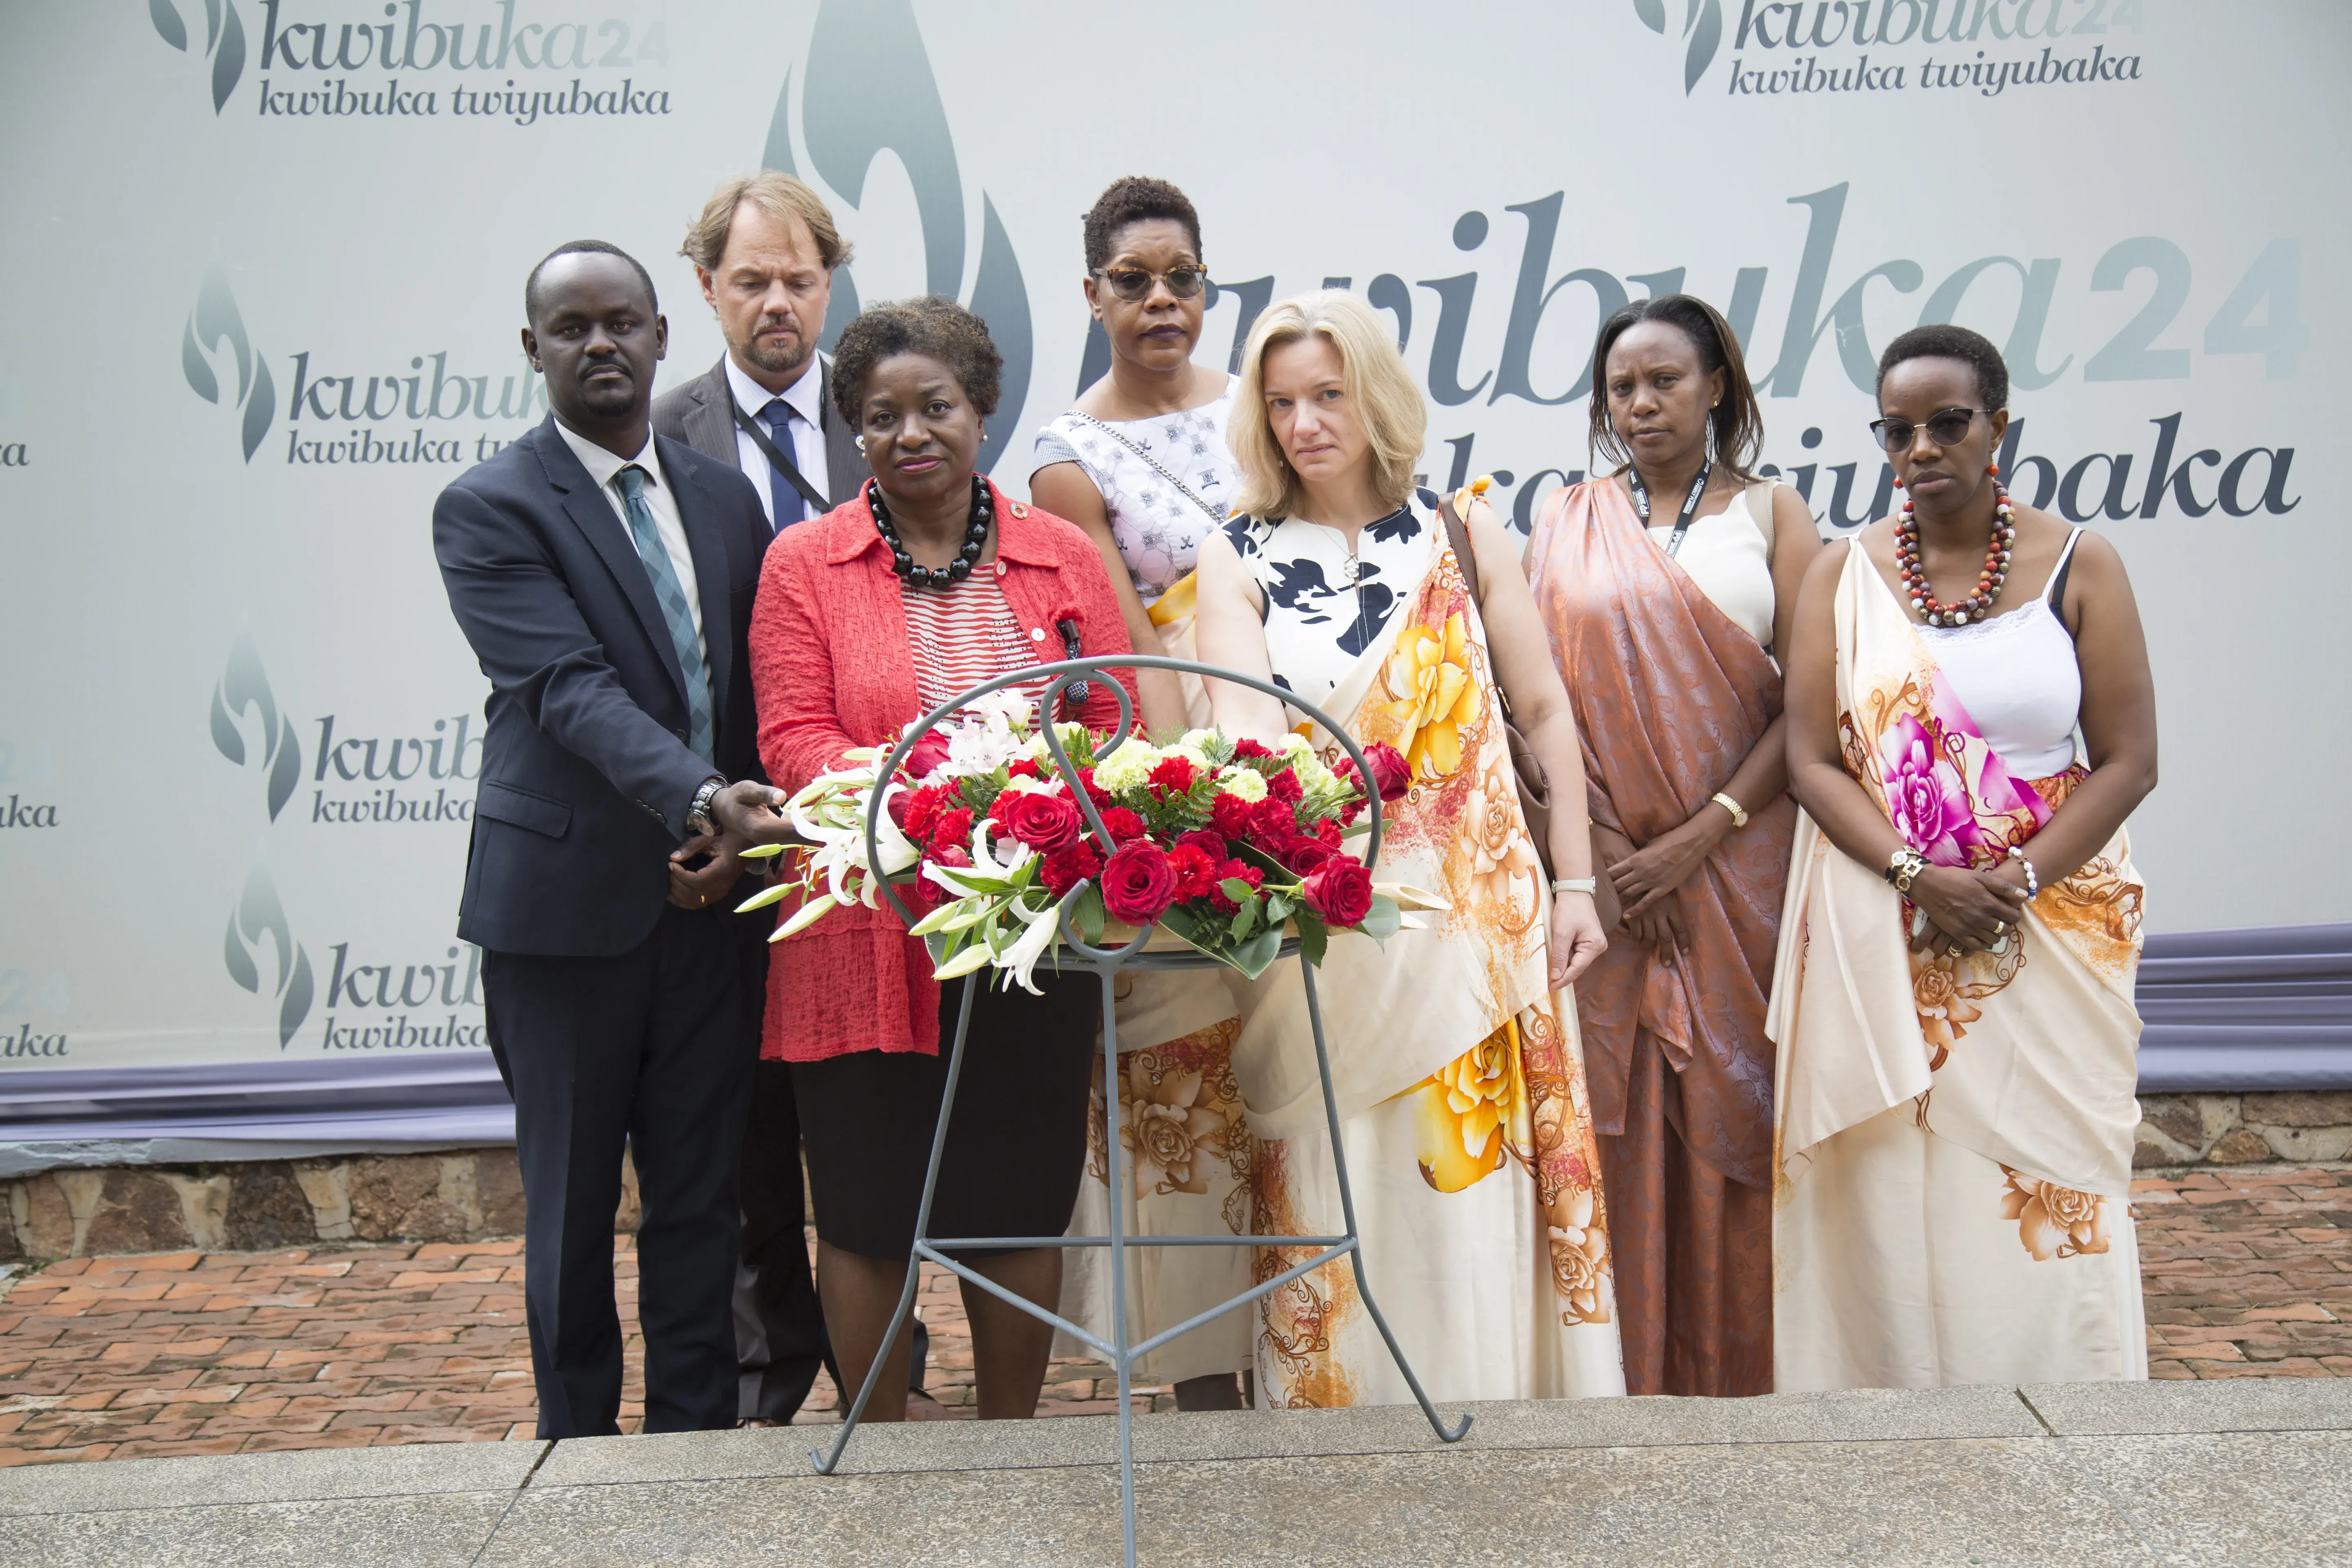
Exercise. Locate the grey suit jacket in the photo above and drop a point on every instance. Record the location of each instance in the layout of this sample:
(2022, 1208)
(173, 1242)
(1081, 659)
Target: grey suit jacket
(697, 413)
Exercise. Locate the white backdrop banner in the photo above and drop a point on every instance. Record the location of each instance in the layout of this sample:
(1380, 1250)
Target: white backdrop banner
(268, 259)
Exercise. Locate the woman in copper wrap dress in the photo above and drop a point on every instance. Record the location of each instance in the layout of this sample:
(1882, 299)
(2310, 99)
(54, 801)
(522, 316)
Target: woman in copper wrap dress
(1667, 585)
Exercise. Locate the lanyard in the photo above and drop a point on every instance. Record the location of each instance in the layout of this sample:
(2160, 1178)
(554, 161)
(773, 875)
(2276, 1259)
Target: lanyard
(1690, 504)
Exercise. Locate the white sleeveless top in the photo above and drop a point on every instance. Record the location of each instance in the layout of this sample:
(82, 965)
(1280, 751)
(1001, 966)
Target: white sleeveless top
(1325, 605)
(2018, 678)
(1165, 481)
(1728, 557)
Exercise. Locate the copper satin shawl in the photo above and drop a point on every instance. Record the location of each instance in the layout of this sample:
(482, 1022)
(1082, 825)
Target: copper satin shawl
(1670, 696)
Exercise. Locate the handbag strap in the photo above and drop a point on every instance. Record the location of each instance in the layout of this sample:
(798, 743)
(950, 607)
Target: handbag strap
(1458, 534)
(1154, 464)
(776, 454)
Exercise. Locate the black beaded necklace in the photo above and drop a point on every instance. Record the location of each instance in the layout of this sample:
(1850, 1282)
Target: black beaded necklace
(975, 539)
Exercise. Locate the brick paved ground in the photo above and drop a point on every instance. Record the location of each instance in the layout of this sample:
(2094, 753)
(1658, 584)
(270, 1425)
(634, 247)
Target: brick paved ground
(2247, 1274)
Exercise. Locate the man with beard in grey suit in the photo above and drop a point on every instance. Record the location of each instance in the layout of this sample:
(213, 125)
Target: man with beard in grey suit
(765, 249)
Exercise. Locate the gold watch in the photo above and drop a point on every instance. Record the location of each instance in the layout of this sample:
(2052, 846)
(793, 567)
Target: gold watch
(1738, 812)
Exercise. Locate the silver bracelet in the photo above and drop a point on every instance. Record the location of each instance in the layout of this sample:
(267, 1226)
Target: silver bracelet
(1575, 884)
(2032, 882)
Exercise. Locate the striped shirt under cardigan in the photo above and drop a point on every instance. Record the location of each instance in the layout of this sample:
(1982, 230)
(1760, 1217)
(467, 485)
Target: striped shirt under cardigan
(833, 668)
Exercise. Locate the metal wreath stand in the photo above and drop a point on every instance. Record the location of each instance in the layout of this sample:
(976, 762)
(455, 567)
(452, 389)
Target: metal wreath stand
(1109, 963)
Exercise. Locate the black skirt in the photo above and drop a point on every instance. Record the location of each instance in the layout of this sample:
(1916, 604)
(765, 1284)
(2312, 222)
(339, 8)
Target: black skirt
(1016, 1141)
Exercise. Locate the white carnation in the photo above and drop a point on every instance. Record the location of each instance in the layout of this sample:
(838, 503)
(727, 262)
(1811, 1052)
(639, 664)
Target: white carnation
(1130, 767)
(1244, 784)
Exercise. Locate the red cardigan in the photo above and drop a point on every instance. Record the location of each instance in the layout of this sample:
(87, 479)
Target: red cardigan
(832, 669)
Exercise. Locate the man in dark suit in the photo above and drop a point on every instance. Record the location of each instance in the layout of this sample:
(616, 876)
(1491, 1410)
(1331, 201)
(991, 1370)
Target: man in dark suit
(604, 576)
(763, 252)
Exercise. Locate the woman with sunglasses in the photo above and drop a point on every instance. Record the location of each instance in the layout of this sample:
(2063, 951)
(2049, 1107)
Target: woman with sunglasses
(1683, 557)
(1140, 460)
(1140, 463)
(1954, 1002)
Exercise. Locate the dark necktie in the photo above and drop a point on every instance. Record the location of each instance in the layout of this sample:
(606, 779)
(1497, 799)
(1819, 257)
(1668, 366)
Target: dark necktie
(670, 593)
(785, 501)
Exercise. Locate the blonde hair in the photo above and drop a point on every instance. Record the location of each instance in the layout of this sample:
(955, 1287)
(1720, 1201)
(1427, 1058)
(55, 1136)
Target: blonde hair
(1371, 373)
(782, 197)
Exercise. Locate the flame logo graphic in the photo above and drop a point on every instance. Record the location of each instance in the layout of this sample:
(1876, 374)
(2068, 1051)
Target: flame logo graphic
(259, 915)
(242, 686)
(866, 87)
(1702, 25)
(224, 41)
(213, 323)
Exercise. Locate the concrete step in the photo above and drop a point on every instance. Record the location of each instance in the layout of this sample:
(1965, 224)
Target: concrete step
(2204, 1473)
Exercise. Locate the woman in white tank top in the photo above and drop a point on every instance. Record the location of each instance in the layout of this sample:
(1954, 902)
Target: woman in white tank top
(1953, 1006)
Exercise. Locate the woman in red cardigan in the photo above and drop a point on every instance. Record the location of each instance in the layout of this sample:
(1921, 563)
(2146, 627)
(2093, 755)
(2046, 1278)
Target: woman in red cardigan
(928, 583)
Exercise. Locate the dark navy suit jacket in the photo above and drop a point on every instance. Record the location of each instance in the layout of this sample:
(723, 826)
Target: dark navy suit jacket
(586, 773)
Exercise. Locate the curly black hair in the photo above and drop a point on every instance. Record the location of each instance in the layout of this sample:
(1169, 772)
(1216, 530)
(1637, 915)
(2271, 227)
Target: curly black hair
(1135, 199)
(933, 326)
(1971, 349)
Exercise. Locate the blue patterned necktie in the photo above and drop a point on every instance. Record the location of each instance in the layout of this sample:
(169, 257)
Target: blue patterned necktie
(784, 497)
(674, 608)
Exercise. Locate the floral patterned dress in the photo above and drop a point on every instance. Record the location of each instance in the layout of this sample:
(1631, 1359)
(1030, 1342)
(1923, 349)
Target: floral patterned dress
(1456, 1069)
(1952, 1190)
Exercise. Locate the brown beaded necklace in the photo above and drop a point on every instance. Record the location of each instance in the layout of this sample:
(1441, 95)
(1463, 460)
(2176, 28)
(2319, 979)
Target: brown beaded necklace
(1977, 605)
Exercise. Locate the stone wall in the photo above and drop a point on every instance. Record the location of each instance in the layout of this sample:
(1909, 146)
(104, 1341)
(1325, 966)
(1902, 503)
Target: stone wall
(2243, 1129)
(473, 1194)
(468, 1194)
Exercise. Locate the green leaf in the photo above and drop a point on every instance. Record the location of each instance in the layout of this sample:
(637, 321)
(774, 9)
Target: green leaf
(1087, 915)
(1382, 919)
(1252, 956)
(764, 897)
(1313, 936)
(1277, 909)
(1233, 888)
(1244, 920)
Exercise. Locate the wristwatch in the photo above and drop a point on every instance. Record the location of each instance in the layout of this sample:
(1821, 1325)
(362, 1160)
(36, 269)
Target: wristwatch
(1738, 812)
(1903, 866)
(698, 816)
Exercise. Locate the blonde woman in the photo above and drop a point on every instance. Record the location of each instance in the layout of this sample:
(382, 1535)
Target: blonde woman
(1455, 1057)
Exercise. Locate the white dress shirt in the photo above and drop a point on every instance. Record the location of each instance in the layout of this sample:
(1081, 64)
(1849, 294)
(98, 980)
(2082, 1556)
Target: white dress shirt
(605, 468)
(807, 448)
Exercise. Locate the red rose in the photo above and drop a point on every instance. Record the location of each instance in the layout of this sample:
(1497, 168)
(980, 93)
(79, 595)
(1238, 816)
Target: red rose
(927, 753)
(1196, 872)
(1043, 822)
(955, 856)
(1340, 891)
(1123, 826)
(1138, 883)
(1245, 748)
(1283, 786)
(1213, 845)
(1391, 774)
(953, 831)
(1307, 853)
(1173, 775)
(1234, 870)
(1229, 816)
(1065, 867)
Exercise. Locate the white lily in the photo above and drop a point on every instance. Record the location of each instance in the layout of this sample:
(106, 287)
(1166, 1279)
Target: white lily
(1020, 959)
